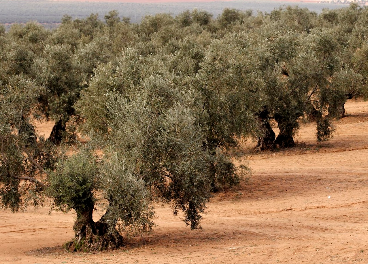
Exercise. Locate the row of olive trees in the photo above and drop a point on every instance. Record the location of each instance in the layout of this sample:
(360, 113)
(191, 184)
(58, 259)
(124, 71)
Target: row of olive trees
(161, 103)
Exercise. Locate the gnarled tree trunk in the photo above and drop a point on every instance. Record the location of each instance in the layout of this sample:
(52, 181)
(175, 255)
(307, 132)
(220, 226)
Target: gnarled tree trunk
(57, 132)
(285, 138)
(93, 236)
(266, 140)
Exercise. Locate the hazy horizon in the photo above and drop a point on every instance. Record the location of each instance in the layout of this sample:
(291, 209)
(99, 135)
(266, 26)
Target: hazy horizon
(172, 1)
(147, 1)
(52, 11)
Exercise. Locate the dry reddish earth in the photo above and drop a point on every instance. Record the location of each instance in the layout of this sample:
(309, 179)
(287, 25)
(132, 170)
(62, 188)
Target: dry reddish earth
(304, 205)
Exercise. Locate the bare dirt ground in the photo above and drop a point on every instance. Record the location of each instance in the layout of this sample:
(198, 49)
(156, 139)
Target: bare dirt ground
(308, 204)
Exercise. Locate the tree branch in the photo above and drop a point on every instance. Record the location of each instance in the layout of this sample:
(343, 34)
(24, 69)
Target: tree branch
(35, 162)
(26, 178)
(313, 91)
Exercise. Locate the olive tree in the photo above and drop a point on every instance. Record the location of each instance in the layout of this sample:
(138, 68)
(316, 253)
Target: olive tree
(340, 80)
(275, 52)
(145, 125)
(74, 185)
(58, 73)
(24, 156)
(230, 92)
(306, 74)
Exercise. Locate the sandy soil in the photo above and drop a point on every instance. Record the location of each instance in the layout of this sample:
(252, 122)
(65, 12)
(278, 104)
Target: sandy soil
(304, 205)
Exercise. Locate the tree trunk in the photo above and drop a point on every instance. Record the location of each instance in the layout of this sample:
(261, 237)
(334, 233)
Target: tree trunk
(82, 224)
(93, 236)
(285, 138)
(57, 133)
(266, 140)
(337, 110)
(341, 111)
(212, 171)
(314, 115)
(28, 133)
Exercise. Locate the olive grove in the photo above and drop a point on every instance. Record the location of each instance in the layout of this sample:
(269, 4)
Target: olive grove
(161, 103)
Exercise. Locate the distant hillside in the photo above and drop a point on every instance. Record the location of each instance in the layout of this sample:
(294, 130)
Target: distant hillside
(147, 1)
(51, 12)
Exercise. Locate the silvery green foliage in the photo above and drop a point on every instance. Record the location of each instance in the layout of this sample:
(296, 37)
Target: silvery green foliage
(230, 90)
(73, 183)
(306, 73)
(82, 181)
(21, 155)
(128, 206)
(151, 128)
(57, 72)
